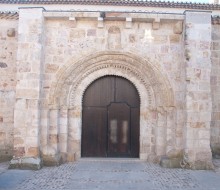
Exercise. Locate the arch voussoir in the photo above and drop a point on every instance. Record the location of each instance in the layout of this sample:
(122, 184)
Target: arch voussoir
(132, 65)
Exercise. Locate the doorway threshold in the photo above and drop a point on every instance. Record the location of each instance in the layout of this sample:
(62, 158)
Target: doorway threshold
(111, 159)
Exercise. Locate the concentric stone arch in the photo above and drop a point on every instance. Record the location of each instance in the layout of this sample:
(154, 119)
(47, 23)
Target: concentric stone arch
(133, 67)
(153, 88)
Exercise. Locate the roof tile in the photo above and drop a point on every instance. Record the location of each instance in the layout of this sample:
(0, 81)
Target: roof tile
(146, 3)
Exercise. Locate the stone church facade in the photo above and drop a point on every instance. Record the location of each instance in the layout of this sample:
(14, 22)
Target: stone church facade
(51, 52)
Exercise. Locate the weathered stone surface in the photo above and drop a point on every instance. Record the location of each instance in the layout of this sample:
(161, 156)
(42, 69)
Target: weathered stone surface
(128, 23)
(214, 82)
(178, 27)
(170, 162)
(197, 135)
(174, 38)
(26, 163)
(71, 157)
(5, 157)
(155, 25)
(51, 160)
(203, 165)
(11, 32)
(114, 38)
(58, 58)
(215, 150)
(8, 51)
(3, 65)
(77, 33)
(26, 113)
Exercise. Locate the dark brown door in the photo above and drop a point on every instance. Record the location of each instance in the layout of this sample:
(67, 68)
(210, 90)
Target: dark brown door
(119, 130)
(110, 125)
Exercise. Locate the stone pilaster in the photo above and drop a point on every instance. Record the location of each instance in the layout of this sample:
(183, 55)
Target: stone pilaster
(29, 68)
(161, 133)
(197, 154)
(173, 155)
(215, 84)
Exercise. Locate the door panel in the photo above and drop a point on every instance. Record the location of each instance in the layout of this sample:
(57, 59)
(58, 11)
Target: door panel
(118, 130)
(94, 131)
(110, 121)
(126, 92)
(100, 93)
(135, 131)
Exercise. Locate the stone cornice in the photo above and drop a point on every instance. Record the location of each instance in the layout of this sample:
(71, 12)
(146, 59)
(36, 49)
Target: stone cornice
(143, 3)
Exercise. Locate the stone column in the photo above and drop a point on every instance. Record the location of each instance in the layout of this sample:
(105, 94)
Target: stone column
(29, 66)
(53, 154)
(63, 125)
(173, 155)
(171, 124)
(161, 133)
(44, 126)
(145, 134)
(197, 153)
(74, 135)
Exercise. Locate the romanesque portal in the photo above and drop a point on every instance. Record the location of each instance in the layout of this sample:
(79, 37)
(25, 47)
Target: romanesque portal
(51, 58)
(152, 88)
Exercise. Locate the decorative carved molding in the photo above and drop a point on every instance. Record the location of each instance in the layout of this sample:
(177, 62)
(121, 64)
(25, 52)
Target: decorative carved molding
(140, 72)
(110, 69)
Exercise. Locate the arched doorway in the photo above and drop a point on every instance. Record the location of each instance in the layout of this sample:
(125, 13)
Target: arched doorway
(110, 120)
(155, 94)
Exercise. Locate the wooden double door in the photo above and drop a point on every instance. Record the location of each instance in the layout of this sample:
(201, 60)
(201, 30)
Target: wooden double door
(110, 126)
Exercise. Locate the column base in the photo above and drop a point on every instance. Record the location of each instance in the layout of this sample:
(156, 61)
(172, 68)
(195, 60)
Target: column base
(167, 162)
(71, 157)
(215, 151)
(30, 163)
(4, 158)
(202, 165)
(51, 160)
(153, 158)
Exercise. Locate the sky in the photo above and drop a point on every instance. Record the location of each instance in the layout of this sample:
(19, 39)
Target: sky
(193, 1)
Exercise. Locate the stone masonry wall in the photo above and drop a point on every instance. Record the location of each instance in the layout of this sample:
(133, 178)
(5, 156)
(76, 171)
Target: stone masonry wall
(215, 88)
(47, 44)
(36, 50)
(8, 50)
(162, 42)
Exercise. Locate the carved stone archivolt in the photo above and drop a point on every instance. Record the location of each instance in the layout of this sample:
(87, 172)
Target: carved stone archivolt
(73, 79)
